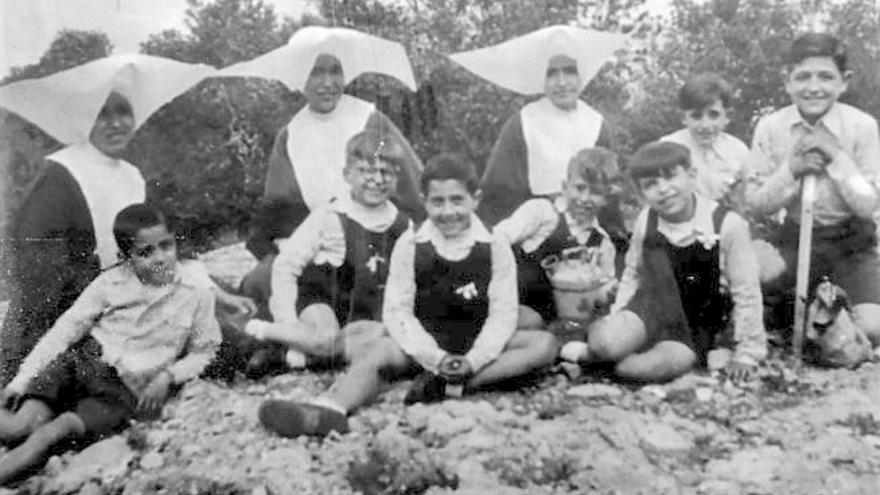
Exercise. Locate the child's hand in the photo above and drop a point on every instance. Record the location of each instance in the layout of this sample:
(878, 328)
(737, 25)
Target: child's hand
(819, 142)
(455, 368)
(10, 399)
(740, 373)
(238, 304)
(153, 396)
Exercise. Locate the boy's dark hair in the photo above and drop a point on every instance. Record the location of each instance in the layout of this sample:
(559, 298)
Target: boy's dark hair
(450, 166)
(598, 166)
(372, 145)
(132, 219)
(653, 158)
(702, 90)
(818, 45)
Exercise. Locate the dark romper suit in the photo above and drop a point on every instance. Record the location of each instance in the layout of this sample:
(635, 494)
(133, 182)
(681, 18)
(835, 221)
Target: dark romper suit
(679, 297)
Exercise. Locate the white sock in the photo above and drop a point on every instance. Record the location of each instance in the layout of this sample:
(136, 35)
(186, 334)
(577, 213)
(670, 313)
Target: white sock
(329, 403)
(295, 359)
(574, 351)
(256, 328)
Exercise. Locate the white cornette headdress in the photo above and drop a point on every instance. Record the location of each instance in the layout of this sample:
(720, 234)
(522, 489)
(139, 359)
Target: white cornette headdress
(520, 64)
(357, 52)
(66, 104)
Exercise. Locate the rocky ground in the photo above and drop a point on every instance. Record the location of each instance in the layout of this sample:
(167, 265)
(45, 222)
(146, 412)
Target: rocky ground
(789, 432)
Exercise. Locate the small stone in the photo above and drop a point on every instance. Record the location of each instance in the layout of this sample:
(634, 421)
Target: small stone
(189, 450)
(704, 394)
(152, 460)
(91, 488)
(718, 359)
(572, 370)
(592, 390)
(664, 439)
(260, 490)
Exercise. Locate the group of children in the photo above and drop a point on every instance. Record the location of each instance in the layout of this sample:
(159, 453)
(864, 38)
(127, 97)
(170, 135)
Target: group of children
(460, 306)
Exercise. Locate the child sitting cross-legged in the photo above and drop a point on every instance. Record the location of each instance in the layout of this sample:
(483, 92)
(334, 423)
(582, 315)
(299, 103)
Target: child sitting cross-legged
(541, 228)
(138, 329)
(328, 279)
(689, 271)
(450, 309)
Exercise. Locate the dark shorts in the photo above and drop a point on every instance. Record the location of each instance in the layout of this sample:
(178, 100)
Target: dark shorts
(846, 254)
(79, 381)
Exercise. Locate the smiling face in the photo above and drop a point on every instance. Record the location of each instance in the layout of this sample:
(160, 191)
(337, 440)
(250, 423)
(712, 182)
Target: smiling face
(707, 123)
(583, 200)
(153, 256)
(670, 193)
(814, 85)
(323, 88)
(563, 82)
(114, 126)
(371, 184)
(449, 206)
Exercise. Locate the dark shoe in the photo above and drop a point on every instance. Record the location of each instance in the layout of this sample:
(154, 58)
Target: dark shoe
(292, 419)
(426, 387)
(264, 360)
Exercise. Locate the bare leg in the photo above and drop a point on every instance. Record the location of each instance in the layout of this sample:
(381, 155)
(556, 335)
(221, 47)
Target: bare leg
(529, 319)
(527, 350)
(665, 361)
(615, 337)
(358, 336)
(18, 425)
(34, 450)
(315, 333)
(364, 377)
(867, 317)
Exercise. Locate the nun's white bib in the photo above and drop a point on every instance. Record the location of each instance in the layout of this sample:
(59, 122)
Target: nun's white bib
(109, 185)
(316, 146)
(553, 136)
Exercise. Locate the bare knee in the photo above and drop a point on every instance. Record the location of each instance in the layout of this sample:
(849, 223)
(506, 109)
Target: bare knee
(664, 362)
(545, 345)
(616, 337)
(867, 317)
(529, 319)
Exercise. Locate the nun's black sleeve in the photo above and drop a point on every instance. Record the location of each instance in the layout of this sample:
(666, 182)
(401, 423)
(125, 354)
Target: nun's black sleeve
(53, 258)
(505, 182)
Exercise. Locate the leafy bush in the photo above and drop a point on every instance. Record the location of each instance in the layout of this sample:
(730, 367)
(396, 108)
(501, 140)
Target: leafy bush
(397, 470)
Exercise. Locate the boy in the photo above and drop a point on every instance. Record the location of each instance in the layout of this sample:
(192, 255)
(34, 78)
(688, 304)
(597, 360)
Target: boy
(689, 258)
(717, 157)
(116, 352)
(839, 145)
(450, 307)
(330, 273)
(541, 228)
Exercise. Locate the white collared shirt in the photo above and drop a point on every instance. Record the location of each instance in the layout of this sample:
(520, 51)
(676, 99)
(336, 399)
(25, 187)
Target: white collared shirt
(846, 190)
(717, 165)
(536, 220)
(398, 312)
(319, 239)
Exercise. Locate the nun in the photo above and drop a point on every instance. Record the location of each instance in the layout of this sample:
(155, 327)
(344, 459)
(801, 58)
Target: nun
(534, 147)
(62, 234)
(308, 156)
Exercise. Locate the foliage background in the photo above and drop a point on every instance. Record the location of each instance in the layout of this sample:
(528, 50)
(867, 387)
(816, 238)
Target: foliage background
(204, 155)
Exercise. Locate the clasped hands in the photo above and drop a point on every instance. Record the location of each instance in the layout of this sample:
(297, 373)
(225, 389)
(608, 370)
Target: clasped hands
(813, 153)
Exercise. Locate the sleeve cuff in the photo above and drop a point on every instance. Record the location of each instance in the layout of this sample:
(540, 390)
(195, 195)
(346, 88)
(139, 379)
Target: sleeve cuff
(18, 385)
(256, 328)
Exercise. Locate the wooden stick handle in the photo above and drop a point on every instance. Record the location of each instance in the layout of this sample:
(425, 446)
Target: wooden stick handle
(805, 245)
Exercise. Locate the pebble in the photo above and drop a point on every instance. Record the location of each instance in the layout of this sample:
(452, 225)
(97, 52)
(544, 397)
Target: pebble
(664, 439)
(704, 394)
(152, 460)
(593, 390)
(91, 488)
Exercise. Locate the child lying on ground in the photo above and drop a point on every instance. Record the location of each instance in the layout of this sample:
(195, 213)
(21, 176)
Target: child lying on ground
(137, 330)
(541, 228)
(450, 307)
(689, 271)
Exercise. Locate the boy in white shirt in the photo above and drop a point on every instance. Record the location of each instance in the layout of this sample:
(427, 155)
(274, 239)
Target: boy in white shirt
(328, 278)
(450, 308)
